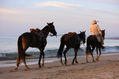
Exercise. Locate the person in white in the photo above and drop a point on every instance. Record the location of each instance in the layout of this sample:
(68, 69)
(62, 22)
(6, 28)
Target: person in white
(95, 30)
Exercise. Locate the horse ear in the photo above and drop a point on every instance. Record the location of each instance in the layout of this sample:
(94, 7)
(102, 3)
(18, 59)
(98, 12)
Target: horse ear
(47, 23)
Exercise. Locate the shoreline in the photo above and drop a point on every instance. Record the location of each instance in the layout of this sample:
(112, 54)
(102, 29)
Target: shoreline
(34, 61)
(106, 68)
(34, 57)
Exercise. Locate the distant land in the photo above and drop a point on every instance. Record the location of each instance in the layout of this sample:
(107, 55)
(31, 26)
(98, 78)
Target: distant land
(115, 38)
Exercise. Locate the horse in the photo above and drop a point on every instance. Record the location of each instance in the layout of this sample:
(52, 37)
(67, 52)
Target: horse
(71, 40)
(36, 39)
(93, 43)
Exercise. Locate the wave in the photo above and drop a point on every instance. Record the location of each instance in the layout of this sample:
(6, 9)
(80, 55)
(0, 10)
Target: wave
(53, 52)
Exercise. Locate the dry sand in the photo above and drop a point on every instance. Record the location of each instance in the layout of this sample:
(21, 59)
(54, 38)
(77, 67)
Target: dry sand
(106, 68)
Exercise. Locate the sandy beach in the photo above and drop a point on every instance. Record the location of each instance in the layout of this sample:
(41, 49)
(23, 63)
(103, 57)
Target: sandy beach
(106, 68)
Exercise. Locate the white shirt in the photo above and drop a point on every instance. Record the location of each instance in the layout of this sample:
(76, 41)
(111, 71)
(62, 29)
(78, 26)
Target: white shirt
(95, 30)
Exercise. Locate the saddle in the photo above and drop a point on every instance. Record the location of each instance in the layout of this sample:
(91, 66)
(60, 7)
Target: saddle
(72, 38)
(38, 35)
(35, 30)
(70, 35)
(71, 32)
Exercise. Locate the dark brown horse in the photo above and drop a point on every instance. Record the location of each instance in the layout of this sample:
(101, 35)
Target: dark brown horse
(93, 43)
(71, 40)
(35, 39)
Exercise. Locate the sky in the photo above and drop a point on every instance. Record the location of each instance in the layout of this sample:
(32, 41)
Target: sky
(18, 16)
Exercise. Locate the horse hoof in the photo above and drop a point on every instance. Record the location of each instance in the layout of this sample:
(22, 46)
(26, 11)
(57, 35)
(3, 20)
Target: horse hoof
(39, 66)
(65, 64)
(26, 68)
(87, 62)
(97, 59)
(42, 65)
(15, 68)
(76, 61)
(72, 63)
(62, 64)
(93, 61)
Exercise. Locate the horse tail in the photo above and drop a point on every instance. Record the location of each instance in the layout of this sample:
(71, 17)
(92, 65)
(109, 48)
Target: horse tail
(59, 53)
(20, 44)
(20, 48)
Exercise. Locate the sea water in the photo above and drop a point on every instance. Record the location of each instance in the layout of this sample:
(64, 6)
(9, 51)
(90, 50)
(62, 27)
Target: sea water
(8, 49)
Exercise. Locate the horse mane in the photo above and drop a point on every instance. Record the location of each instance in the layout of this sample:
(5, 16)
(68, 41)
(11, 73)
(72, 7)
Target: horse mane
(46, 27)
(80, 34)
(103, 34)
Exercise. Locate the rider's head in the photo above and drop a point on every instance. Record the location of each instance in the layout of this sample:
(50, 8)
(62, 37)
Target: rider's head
(94, 22)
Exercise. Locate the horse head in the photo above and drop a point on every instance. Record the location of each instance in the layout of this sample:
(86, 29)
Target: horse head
(82, 36)
(52, 29)
(103, 34)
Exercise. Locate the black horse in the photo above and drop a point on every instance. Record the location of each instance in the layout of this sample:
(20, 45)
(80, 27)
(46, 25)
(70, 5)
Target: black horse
(71, 40)
(93, 43)
(34, 39)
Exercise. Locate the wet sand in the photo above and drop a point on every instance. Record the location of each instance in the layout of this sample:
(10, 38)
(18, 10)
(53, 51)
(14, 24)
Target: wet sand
(106, 68)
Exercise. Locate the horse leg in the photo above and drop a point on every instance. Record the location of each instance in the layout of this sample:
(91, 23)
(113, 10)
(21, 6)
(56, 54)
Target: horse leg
(40, 57)
(75, 57)
(99, 53)
(25, 47)
(24, 61)
(18, 62)
(40, 60)
(43, 59)
(65, 51)
(21, 56)
(61, 60)
(43, 55)
(76, 50)
(92, 54)
(86, 53)
(92, 57)
(97, 56)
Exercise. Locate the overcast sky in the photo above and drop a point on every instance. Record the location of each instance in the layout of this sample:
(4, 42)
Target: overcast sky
(17, 16)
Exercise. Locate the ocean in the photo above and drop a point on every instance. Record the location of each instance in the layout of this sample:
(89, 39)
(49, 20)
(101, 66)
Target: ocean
(8, 50)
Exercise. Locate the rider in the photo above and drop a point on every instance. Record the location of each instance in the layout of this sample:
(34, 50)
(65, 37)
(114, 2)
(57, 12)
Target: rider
(95, 30)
